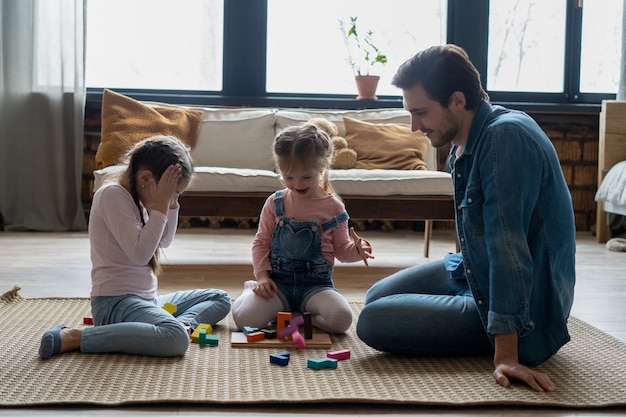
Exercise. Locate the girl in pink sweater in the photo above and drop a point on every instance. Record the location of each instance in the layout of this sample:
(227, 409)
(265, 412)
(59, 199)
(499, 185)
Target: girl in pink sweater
(302, 229)
(131, 218)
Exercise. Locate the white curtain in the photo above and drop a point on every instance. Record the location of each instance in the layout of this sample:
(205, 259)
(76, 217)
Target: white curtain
(42, 101)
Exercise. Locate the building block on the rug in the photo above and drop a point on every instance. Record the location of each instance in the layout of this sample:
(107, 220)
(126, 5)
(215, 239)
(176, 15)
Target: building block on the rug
(255, 337)
(248, 329)
(170, 308)
(281, 359)
(87, 320)
(339, 354)
(282, 318)
(322, 363)
(208, 339)
(308, 325)
(269, 333)
(196, 333)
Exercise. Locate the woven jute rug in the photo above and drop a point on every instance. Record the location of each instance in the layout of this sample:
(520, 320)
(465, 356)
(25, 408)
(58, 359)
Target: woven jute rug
(590, 371)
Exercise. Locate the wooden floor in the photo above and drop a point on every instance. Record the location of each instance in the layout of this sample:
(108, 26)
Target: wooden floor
(57, 265)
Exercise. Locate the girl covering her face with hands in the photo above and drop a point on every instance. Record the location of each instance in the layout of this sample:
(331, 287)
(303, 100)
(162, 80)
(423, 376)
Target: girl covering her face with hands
(302, 229)
(131, 218)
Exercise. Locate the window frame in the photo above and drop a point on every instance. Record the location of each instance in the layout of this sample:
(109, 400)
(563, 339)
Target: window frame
(244, 66)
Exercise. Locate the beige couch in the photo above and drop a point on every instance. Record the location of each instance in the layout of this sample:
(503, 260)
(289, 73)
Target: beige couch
(234, 170)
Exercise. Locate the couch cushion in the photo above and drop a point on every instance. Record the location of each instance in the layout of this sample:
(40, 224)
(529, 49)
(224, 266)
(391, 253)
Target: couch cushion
(381, 182)
(386, 145)
(126, 121)
(213, 179)
(235, 180)
(289, 117)
(236, 138)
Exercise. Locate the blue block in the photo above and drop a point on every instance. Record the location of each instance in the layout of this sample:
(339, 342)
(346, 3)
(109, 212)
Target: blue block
(247, 330)
(278, 359)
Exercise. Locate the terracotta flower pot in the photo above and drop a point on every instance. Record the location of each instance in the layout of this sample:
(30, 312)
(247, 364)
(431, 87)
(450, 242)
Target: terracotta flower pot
(366, 86)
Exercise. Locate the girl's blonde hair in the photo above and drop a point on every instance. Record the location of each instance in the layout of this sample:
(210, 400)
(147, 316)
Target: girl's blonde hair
(305, 146)
(155, 154)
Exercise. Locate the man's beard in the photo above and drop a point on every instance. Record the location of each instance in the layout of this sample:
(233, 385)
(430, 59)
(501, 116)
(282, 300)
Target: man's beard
(449, 131)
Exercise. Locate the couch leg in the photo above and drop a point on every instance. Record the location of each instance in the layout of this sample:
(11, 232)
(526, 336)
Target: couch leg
(428, 232)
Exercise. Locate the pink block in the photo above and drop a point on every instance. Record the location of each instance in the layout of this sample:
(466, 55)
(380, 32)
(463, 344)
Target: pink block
(298, 339)
(339, 354)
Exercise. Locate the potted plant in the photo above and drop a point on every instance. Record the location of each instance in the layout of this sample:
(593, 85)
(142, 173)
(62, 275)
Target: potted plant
(363, 54)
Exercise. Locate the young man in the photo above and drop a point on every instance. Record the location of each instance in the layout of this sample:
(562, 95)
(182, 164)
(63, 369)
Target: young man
(510, 290)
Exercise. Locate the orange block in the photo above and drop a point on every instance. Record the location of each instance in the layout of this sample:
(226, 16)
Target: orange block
(255, 337)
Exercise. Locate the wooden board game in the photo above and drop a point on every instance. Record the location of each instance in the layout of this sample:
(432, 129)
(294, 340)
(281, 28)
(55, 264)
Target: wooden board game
(319, 341)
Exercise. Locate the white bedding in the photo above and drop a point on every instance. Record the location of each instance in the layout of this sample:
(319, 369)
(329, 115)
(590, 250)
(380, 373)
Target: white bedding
(612, 190)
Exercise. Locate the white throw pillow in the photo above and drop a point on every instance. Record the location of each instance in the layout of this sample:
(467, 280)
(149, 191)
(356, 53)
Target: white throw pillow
(236, 138)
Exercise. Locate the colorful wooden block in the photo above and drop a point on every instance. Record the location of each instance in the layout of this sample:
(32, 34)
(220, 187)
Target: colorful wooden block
(308, 325)
(339, 354)
(292, 327)
(322, 363)
(298, 339)
(209, 339)
(247, 330)
(170, 308)
(284, 353)
(280, 359)
(196, 333)
(282, 320)
(255, 337)
(269, 333)
(87, 320)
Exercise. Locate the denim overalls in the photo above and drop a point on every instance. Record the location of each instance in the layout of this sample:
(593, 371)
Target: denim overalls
(299, 268)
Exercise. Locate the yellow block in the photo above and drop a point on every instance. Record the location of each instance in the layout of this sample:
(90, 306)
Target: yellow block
(196, 333)
(170, 308)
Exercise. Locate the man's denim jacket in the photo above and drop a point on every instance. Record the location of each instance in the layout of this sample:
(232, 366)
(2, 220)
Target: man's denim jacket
(516, 231)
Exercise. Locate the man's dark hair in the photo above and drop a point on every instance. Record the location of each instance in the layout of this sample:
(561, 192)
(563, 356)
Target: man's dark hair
(442, 70)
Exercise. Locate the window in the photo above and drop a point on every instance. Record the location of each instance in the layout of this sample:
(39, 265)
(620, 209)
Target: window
(306, 52)
(292, 53)
(154, 44)
(526, 49)
(601, 46)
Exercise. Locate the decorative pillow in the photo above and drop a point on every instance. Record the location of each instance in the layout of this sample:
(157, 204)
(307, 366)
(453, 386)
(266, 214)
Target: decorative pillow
(386, 145)
(126, 121)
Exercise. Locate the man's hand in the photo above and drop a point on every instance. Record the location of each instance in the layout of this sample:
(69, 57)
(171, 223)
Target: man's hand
(507, 366)
(539, 381)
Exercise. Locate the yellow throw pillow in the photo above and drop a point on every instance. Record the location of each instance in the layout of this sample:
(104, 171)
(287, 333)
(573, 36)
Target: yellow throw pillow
(386, 145)
(126, 121)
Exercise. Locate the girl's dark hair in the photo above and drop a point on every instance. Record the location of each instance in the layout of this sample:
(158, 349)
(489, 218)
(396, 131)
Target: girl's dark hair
(304, 146)
(442, 70)
(156, 154)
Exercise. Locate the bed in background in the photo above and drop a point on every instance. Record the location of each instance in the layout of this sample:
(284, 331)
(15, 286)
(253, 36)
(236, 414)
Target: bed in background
(611, 194)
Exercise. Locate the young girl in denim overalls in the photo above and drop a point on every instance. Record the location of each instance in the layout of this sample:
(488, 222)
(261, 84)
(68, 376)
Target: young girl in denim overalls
(302, 229)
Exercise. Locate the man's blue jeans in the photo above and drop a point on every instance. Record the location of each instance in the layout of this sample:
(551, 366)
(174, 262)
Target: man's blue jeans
(423, 311)
(135, 325)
